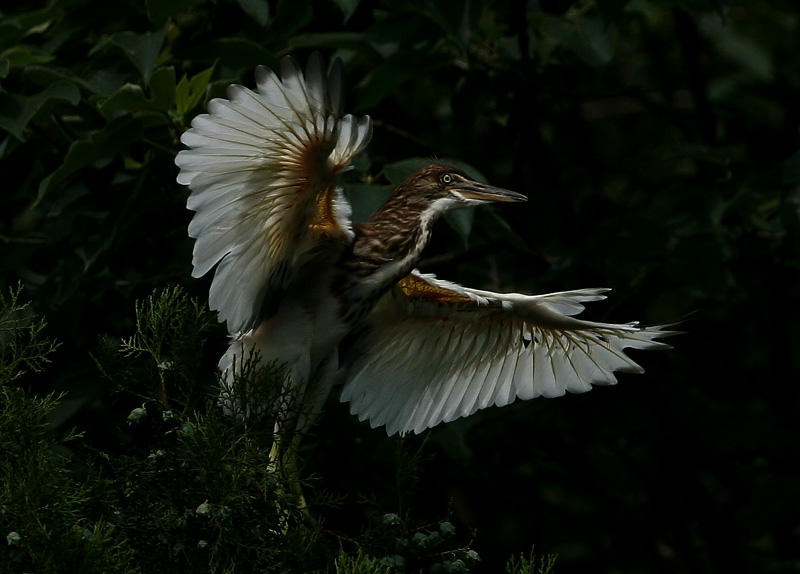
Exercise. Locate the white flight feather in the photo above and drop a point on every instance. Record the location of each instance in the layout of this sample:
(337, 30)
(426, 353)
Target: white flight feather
(253, 178)
(432, 361)
(434, 400)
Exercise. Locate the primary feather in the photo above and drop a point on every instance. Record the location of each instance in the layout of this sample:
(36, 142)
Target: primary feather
(262, 166)
(434, 351)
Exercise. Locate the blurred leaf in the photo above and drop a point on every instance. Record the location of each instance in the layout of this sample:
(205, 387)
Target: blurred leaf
(453, 18)
(159, 10)
(17, 110)
(366, 199)
(392, 74)
(790, 172)
(348, 40)
(347, 7)
(14, 28)
(18, 56)
(701, 259)
(789, 210)
(132, 98)
(751, 54)
(106, 142)
(129, 97)
(236, 53)
(395, 29)
(257, 9)
(141, 49)
(291, 16)
(162, 85)
(500, 228)
(460, 220)
(611, 10)
(398, 171)
(102, 82)
(589, 38)
(716, 155)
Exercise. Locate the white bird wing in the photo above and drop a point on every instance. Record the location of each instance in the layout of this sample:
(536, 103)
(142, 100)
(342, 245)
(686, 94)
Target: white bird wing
(262, 168)
(435, 351)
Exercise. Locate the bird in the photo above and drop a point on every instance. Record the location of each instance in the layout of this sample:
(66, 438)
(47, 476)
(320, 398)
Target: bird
(340, 304)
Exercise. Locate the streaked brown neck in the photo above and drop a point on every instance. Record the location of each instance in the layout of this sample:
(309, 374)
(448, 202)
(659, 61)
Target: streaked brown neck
(397, 233)
(388, 247)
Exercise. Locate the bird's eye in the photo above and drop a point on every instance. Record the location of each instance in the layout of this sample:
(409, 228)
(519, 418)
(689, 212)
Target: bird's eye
(447, 178)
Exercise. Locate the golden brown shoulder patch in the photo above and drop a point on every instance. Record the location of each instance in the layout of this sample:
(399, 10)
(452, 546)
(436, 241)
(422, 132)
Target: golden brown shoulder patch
(415, 287)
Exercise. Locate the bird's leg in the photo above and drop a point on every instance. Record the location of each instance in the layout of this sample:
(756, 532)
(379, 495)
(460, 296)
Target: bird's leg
(283, 466)
(299, 409)
(286, 441)
(284, 454)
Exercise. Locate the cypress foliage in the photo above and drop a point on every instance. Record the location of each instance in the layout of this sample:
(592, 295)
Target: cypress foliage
(184, 488)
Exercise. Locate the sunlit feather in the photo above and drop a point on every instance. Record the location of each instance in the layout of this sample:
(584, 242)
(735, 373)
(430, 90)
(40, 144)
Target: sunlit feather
(509, 346)
(300, 286)
(256, 165)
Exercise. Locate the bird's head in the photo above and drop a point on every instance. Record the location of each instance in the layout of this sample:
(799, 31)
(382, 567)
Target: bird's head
(442, 188)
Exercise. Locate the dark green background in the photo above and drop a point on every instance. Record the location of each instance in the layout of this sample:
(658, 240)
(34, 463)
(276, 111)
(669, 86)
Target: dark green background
(658, 144)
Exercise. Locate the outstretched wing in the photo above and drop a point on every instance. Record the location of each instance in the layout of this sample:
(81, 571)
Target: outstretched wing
(436, 351)
(262, 168)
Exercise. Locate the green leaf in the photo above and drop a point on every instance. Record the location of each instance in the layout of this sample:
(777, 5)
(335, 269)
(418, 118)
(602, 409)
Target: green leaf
(502, 230)
(236, 53)
(162, 86)
(590, 39)
(752, 56)
(160, 10)
(142, 49)
(103, 82)
(18, 56)
(366, 199)
(17, 110)
(398, 171)
(132, 98)
(189, 93)
(257, 9)
(15, 28)
(384, 80)
(129, 97)
(460, 220)
(106, 142)
(392, 74)
(453, 18)
(290, 17)
(347, 7)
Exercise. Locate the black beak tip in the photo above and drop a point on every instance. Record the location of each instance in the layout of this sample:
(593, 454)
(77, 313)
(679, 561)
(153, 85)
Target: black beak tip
(505, 195)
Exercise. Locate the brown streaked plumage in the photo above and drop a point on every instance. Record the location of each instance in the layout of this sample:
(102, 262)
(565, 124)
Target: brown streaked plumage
(390, 244)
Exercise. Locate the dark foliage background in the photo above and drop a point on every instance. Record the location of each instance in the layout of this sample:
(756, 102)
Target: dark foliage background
(658, 143)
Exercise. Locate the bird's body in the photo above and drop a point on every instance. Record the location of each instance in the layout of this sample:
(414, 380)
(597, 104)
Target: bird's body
(295, 277)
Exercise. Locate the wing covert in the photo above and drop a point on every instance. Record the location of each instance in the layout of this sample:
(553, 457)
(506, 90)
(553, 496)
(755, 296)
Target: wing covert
(436, 351)
(262, 167)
